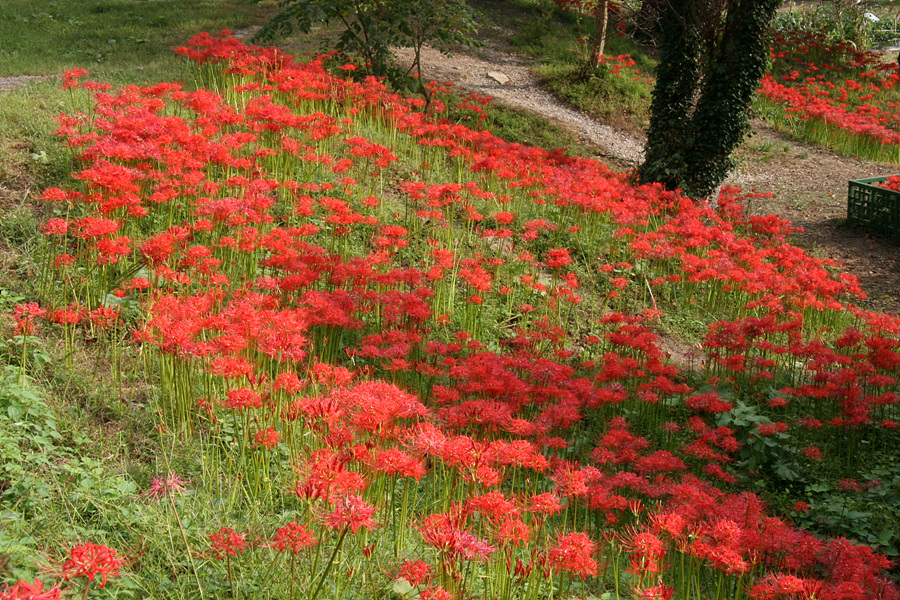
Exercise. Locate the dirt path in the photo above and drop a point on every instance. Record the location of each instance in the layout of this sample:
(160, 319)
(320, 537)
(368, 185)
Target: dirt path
(810, 187)
(809, 183)
(10, 83)
(519, 88)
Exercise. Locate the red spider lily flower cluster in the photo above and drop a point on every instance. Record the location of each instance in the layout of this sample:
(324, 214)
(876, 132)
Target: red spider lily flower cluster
(227, 542)
(92, 560)
(162, 487)
(339, 319)
(834, 85)
(292, 537)
(23, 590)
(573, 553)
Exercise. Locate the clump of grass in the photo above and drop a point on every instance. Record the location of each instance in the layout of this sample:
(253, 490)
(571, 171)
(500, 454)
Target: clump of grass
(620, 100)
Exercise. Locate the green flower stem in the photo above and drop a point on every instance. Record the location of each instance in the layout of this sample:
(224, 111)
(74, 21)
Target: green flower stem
(327, 569)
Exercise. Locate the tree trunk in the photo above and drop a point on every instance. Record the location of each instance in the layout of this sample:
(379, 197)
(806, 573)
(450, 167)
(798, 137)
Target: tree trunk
(700, 107)
(721, 120)
(598, 41)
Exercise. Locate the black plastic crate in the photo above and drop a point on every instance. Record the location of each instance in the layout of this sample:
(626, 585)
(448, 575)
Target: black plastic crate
(872, 206)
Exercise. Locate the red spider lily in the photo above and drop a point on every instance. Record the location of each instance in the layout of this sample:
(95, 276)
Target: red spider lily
(242, 399)
(226, 542)
(785, 586)
(69, 315)
(25, 314)
(558, 258)
(22, 590)
(289, 382)
(415, 572)
(657, 592)
(351, 512)
(71, 76)
(544, 504)
(397, 462)
(161, 487)
(446, 533)
(573, 553)
(267, 438)
(292, 537)
(435, 593)
(378, 407)
(325, 476)
(90, 560)
(492, 506)
(647, 550)
(512, 530)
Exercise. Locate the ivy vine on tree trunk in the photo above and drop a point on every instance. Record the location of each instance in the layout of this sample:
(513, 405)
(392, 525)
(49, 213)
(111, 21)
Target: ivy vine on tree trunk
(713, 56)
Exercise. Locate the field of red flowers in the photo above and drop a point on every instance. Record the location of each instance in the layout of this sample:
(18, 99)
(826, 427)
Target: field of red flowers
(834, 94)
(416, 361)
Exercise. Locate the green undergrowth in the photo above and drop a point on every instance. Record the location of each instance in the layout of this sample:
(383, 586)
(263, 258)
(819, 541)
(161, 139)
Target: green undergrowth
(619, 101)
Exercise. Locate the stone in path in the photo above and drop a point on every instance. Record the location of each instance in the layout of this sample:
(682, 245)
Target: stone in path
(499, 77)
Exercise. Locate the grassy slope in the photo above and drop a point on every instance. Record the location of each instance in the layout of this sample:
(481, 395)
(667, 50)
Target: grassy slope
(120, 41)
(105, 429)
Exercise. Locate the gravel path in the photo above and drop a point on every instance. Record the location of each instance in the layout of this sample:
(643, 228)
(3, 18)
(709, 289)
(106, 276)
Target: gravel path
(470, 73)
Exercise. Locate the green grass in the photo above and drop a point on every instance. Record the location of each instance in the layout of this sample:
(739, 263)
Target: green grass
(122, 40)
